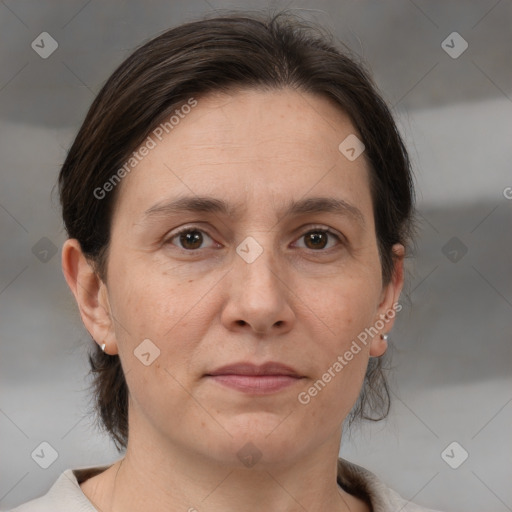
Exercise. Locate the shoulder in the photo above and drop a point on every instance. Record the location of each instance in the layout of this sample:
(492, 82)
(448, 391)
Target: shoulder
(65, 495)
(364, 484)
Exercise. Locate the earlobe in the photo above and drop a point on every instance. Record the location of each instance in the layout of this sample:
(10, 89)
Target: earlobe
(379, 345)
(90, 295)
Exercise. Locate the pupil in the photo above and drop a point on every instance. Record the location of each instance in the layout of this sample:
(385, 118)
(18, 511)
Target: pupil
(191, 238)
(317, 237)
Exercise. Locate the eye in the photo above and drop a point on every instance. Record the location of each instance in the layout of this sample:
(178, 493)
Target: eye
(318, 238)
(190, 238)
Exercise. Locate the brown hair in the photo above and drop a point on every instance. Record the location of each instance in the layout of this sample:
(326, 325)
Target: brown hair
(223, 53)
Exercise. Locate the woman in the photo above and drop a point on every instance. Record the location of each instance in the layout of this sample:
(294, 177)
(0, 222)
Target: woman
(238, 203)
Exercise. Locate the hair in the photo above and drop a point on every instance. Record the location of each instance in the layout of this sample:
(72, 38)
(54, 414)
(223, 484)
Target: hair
(226, 53)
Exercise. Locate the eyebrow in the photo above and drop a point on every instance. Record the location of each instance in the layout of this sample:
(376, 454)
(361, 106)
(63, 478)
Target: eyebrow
(208, 204)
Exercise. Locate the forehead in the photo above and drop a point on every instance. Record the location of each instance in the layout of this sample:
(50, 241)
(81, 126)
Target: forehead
(263, 123)
(250, 145)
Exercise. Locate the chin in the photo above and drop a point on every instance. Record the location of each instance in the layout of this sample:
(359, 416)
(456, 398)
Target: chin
(262, 438)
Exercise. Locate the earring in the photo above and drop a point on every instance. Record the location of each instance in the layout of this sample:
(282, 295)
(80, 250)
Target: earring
(384, 337)
(103, 347)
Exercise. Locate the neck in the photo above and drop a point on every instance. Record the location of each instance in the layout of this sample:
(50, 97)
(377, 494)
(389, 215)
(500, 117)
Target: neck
(175, 479)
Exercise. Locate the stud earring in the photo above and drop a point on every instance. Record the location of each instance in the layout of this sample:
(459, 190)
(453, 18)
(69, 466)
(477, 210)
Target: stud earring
(384, 337)
(103, 347)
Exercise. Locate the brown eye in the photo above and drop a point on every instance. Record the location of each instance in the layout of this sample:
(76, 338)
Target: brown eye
(318, 239)
(189, 239)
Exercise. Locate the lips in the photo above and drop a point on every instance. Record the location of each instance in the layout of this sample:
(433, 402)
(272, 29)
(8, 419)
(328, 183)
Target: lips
(243, 368)
(252, 379)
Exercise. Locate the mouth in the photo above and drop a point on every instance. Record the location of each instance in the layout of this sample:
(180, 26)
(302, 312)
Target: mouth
(255, 379)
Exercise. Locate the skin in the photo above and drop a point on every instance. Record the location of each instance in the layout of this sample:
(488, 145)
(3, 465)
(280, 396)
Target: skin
(298, 303)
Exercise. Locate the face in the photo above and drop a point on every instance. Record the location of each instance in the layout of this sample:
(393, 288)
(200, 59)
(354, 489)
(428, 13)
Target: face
(276, 276)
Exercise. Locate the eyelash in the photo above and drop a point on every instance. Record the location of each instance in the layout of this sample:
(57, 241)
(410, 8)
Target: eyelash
(314, 229)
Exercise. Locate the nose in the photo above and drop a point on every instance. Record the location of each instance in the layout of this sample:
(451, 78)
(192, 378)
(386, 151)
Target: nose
(258, 296)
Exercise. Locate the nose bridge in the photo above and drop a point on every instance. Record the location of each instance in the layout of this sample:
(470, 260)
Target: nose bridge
(256, 260)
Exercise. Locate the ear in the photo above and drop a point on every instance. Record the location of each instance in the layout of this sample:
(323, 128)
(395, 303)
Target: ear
(389, 305)
(90, 294)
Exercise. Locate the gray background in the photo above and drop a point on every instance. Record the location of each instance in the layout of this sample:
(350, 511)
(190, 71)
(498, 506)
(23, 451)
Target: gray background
(452, 356)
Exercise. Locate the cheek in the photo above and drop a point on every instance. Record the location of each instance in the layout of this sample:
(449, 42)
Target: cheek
(343, 359)
(150, 304)
(347, 305)
(146, 303)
